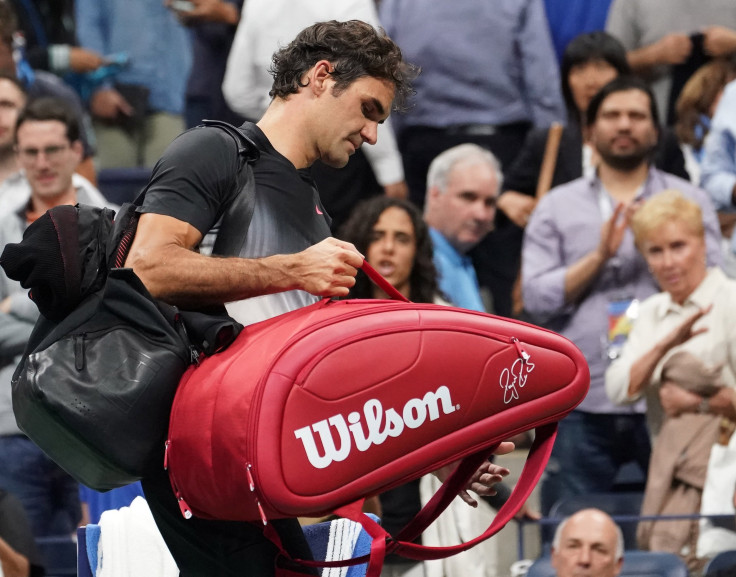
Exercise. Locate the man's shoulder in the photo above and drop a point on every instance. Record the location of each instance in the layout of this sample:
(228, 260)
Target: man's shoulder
(569, 192)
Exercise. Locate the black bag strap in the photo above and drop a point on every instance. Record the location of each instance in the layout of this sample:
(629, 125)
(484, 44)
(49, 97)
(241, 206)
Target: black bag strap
(236, 219)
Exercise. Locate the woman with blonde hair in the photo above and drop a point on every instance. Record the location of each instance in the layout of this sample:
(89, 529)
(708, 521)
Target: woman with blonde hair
(681, 356)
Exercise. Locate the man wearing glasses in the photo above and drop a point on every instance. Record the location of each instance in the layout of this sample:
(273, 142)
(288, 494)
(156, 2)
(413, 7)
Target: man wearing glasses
(47, 151)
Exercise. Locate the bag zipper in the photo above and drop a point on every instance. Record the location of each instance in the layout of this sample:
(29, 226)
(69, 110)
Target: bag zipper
(186, 512)
(523, 355)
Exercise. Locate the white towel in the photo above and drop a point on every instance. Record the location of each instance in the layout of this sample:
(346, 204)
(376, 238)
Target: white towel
(131, 545)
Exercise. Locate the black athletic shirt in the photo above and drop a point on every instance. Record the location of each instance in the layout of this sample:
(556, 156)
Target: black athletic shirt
(197, 177)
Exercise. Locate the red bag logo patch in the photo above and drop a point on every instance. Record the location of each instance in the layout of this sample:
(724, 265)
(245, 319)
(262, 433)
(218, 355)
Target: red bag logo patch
(514, 378)
(413, 415)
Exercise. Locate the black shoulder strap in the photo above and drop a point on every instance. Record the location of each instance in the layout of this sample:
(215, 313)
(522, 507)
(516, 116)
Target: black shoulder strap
(247, 149)
(236, 219)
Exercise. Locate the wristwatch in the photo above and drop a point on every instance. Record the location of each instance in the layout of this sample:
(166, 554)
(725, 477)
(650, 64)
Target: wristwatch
(704, 406)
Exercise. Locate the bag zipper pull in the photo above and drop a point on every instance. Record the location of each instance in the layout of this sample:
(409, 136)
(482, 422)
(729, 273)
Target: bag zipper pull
(182, 330)
(166, 454)
(523, 355)
(252, 487)
(183, 507)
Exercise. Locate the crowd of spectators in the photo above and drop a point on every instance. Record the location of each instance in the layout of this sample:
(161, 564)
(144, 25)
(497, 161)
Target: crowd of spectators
(537, 131)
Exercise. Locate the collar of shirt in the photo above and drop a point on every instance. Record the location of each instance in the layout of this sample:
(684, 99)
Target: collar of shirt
(443, 246)
(701, 297)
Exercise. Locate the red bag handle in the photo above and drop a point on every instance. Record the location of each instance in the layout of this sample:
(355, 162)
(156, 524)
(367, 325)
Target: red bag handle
(383, 543)
(382, 283)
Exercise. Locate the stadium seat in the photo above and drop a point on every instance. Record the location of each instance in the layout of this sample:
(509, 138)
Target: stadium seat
(59, 555)
(120, 185)
(723, 562)
(615, 504)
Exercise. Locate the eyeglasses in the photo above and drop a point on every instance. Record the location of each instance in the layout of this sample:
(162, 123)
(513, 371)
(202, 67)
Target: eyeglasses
(50, 153)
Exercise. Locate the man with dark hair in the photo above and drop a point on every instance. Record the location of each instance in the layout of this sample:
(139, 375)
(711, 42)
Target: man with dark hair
(48, 151)
(372, 170)
(582, 277)
(333, 84)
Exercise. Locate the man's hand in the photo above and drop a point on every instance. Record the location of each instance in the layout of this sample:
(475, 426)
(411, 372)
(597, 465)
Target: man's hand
(517, 206)
(676, 400)
(328, 268)
(673, 48)
(82, 60)
(719, 41)
(484, 478)
(107, 103)
(612, 232)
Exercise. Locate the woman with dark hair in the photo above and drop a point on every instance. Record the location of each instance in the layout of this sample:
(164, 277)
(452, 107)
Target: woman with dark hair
(590, 61)
(395, 240)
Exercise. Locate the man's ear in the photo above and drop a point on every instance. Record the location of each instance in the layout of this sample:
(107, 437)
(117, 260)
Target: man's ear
(78, 150)
(433, 194)
(320, 77)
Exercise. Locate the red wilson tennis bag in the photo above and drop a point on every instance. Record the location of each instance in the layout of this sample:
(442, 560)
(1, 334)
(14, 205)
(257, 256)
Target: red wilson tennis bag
(314, 409)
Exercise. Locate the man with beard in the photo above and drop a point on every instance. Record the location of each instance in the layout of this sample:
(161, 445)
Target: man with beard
(582, 277)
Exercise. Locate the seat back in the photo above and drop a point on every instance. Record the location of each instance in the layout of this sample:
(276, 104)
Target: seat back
(121, 185)
(722, 562)
(636, 564)
(59, 555)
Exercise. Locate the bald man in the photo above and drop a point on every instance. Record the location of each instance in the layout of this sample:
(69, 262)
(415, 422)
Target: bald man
(588, 544)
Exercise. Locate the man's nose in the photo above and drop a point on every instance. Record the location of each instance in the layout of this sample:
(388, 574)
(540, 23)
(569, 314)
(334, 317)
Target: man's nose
(370, 132)
(584, 556)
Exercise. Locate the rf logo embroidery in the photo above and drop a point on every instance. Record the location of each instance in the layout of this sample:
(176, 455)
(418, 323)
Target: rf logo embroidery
(515, 378)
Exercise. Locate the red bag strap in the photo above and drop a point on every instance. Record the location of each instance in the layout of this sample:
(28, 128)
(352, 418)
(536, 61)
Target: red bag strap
(382, 283)
(384, 543)
(533, 468)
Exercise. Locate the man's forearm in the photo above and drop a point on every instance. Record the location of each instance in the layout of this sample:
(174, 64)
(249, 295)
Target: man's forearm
(186, 278)
(581, 274)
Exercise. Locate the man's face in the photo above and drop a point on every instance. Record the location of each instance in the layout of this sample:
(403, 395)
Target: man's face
(344, 122)
(624, 133)
(47, 156)
(587, 547)
(464, 212)
(11, 101)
